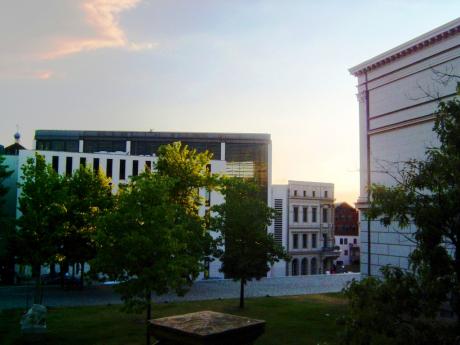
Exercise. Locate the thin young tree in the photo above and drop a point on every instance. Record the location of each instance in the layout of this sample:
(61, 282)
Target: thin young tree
(243, 220)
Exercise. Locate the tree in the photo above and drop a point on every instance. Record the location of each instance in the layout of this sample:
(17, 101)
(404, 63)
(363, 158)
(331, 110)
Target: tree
(88, 194)
(154, 239)
(7, 229)
(41, 204)
(427, 197)
(243, 220)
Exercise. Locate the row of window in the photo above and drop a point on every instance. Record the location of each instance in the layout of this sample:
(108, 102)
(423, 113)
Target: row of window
(96, 166)
(304, 267)
(314, 211)
(345, 241)
(313, 193)
(304, 237)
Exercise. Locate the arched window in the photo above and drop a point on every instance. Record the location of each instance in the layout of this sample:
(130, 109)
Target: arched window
(314, 269)
(295, 267)
(304, 267)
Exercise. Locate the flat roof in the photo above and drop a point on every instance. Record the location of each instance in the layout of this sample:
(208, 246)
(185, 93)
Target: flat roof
(151, 135)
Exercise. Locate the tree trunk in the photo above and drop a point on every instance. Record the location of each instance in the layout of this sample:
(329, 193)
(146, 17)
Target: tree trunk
(148, 299)
(38, 295)
(242, 283)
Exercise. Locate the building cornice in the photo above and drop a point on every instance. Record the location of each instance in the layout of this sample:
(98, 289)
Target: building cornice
(415, 45)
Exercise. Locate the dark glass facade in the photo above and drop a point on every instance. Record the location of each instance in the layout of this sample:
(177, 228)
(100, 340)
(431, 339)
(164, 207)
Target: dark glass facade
(57, 145)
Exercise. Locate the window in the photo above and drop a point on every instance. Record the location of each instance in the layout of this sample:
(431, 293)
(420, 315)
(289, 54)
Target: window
(304, 241)
(325, 241)
(313, 194)
(148, 165)
(296, 214)
(305, 214)
(207, 197)
(295, 193)
(55, 163)
(345, 240)
(313, 240)
(279, 221)
(122, 169)
(325, 193)
(83, 161)
(324, 215)
(68, 166)
(313, 266)
(295, 241)
(295, 267)
(313, 214)
(135, 167)
(355, 241)
(304, 193)
(109, 167)
(95, 164)
(304, 267)
(345, 252)
(341, 241)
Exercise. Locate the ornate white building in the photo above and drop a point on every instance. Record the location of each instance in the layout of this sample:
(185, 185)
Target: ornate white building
(398, 93)
(304, 226)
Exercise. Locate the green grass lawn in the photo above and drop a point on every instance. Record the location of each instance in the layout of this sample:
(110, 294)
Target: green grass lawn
(309, 319)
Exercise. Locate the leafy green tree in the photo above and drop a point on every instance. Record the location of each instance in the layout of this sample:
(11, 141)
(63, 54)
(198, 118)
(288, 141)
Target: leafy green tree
(154, 240)
(41, 204)
(6, 226)
(87, 196)
(243, 220)
(427, 198)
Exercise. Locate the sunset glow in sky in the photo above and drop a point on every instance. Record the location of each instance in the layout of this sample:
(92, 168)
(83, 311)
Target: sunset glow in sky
(263, 66)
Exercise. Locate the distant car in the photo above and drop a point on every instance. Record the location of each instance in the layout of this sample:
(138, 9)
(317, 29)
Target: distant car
(341, 269)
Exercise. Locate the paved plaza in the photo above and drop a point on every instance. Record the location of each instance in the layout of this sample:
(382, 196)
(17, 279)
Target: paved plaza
(21, 296)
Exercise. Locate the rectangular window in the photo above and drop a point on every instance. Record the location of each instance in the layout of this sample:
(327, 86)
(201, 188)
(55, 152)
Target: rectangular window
(96, 164)
(355, 241)
(345, 241)
(135, 167)
(341, 241)
(295, 241)
(55, 163)
(313, 193)
(304, 241)
(304, 193)
(305, 214)
(325, 193)
(313, 214)
(313, 240)
(324, 215)
(296, 214)
(346, 253)
(122, 169)
(109, 168)
(83, 161)
(148, 165)
(207, 197)
(295, 193)
(68, 166)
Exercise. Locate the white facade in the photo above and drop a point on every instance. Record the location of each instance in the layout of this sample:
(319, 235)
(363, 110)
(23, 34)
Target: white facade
(304, 227)
(396, 94)
(346, 245)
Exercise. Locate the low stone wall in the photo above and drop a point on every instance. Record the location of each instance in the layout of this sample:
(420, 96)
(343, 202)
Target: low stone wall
(280, 286)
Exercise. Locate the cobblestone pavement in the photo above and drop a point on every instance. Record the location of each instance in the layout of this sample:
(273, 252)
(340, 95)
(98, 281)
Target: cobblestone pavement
(21, 296)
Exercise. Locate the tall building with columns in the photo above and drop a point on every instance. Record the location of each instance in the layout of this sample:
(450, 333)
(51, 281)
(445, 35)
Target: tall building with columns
(304, 226)
(398, 93)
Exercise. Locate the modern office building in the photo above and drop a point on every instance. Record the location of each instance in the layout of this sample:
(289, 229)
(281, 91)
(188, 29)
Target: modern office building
(346, 233)
(124, 154)
(398, 93)
(304, 226)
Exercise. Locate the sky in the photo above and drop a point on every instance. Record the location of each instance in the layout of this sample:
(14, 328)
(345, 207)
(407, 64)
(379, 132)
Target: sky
(256, 66)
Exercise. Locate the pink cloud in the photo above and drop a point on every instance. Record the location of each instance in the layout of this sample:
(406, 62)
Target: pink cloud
(103, 16)
(43, 75)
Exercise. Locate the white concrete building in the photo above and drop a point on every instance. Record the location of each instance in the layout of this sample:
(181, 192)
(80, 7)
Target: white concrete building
(396, 94)
(124, 154)
(304, 227)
